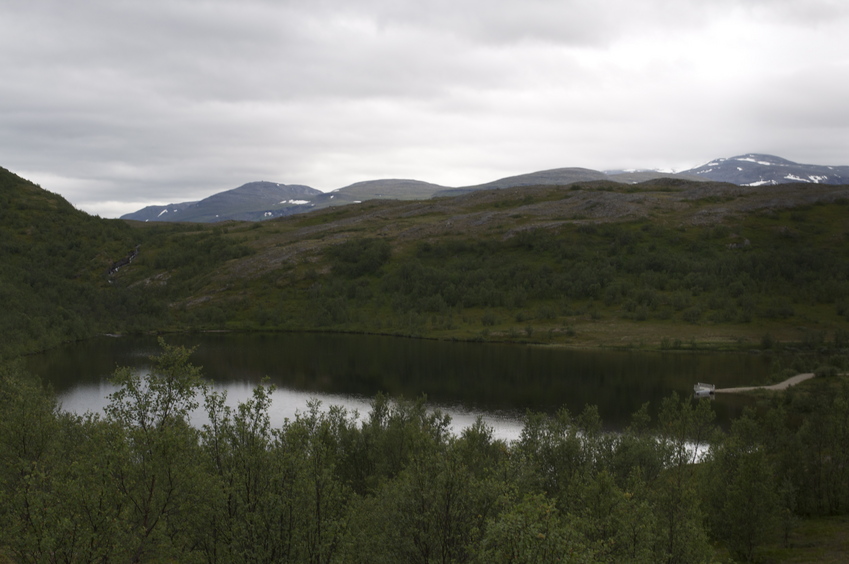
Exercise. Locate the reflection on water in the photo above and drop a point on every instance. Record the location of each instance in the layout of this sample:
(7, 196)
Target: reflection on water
(287, 403)
(498, 381)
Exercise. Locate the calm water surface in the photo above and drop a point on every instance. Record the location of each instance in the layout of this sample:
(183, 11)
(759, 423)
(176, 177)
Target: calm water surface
(499, 382)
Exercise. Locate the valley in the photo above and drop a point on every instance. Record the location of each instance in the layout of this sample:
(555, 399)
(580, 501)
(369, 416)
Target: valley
(669, 264)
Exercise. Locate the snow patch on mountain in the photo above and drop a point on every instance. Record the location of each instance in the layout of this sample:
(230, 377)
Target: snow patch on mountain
(751, 160)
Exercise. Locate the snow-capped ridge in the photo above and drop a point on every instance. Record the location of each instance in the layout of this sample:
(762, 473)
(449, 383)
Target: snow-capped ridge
(256, 201)
(757, 169)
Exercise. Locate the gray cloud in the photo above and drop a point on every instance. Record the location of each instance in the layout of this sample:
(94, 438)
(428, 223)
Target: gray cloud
(120, 103)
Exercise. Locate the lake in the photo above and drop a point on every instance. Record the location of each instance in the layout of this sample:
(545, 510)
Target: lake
(499, 382)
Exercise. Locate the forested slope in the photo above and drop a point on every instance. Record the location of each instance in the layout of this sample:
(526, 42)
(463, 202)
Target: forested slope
(53, 265)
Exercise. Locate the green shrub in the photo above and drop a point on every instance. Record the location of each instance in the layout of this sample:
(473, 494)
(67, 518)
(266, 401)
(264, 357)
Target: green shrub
(841, 338)
(692, 315)
(359, 257)
(826, 371)
(488, 319)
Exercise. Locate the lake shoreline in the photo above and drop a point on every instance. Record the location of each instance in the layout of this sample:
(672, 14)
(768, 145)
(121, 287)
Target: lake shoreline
(781, 386)
(626, 344)
(493, 377)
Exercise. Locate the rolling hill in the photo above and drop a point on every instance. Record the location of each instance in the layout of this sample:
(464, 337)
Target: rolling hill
(253, 201)
(258, 201)
(668, 260)
(597, 262)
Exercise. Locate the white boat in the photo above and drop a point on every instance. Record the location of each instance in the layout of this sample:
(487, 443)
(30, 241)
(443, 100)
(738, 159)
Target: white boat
(701, 390)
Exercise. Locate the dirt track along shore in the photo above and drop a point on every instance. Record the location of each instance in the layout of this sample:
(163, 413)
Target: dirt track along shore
(780, 386)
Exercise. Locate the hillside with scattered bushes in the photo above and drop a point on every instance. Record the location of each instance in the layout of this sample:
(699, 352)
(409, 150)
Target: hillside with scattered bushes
(663, 264)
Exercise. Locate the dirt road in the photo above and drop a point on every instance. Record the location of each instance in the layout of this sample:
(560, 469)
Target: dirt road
(780, 386)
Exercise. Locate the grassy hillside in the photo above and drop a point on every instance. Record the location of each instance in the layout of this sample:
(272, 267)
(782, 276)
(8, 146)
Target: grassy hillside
(53, 269)
(396, 189)
(663, 264)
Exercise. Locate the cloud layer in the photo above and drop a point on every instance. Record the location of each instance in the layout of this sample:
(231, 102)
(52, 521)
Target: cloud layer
(117, 104)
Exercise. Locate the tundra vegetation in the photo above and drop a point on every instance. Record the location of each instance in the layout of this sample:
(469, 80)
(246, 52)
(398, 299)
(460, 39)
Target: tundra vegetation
(669, 265)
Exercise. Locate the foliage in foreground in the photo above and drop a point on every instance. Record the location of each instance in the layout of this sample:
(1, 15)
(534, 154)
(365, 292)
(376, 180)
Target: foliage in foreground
(142, 484)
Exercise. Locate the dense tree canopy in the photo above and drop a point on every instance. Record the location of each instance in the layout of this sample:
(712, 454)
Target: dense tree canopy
(141, 484)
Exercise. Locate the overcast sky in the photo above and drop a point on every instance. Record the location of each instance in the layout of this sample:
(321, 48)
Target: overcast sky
(118, 104)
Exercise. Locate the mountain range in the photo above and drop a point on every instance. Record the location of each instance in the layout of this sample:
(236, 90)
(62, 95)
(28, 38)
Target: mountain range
(257, 201)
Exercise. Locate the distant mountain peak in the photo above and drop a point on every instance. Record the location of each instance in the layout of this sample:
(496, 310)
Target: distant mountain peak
(253, 201)
(765, 160)
(757, 169)
(260, 200)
